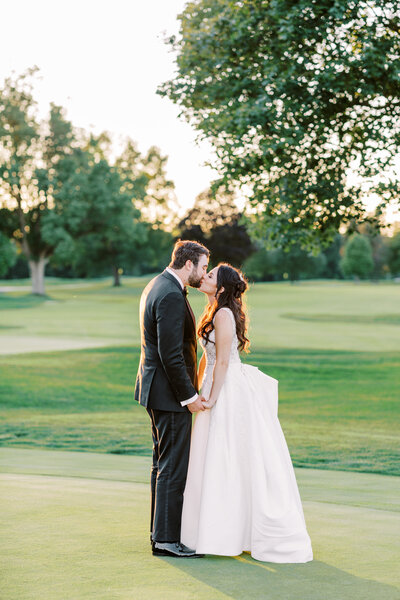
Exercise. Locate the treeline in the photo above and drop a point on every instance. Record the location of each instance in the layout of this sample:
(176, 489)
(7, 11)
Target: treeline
(216, 221)
(362, 253)
(358, 256)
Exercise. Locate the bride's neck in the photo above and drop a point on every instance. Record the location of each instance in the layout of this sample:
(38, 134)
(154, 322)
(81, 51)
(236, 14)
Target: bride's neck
(211, 299)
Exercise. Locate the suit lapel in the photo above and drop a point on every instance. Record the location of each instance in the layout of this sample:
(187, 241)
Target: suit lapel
(176, 282)
(191, 313)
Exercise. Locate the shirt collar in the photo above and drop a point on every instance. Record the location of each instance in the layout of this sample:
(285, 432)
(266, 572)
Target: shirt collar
(176, 276)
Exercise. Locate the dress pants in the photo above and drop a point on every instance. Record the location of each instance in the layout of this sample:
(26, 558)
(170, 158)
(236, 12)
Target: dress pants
(171, 445)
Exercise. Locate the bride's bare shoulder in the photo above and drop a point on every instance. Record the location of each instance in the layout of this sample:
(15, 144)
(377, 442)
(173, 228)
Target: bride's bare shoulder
(223, 317)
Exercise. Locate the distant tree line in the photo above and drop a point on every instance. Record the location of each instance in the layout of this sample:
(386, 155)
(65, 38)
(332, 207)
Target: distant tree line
(216, 221)
(362, 253)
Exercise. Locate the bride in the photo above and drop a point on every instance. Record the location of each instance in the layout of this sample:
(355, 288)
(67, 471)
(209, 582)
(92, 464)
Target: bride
(241, 493)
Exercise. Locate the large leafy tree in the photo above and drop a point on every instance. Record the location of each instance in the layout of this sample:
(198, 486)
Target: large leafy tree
(29, 152)
(294, 96)
(61, 195)
(93, 226)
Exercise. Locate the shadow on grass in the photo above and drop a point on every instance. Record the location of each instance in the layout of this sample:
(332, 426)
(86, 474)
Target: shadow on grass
(25, 301)
(250, 579)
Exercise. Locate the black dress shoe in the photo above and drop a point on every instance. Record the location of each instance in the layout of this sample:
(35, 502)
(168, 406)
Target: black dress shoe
(175, 549)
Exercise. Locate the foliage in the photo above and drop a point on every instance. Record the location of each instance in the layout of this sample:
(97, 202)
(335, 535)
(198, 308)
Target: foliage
(215, 221)
(145, 180)
(380, 250)
(155, 254)
(61, 196)
(294, 96)
(394, 254)
(29, 151)
(8, 254)
(93, 225)
(276, 264)
(357, 260)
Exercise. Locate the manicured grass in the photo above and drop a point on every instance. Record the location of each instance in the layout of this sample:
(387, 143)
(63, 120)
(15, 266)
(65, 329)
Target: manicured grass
(76, 526)
(337, 409)
(333, 346)
(310, 315)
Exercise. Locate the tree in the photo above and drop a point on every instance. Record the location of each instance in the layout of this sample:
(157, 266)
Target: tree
(379, 247)
(29, 151)
(293, 96)
(145, 180)
(8, 254)
(394, 254)
(263, 265)
(357, 260)
(299, 263)
(156, 252)
(62, 197)
(332, 268)
(93, 225)
(215, 221)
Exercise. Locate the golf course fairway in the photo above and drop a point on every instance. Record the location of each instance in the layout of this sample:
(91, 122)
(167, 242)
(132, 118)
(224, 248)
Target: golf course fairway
(75, 526)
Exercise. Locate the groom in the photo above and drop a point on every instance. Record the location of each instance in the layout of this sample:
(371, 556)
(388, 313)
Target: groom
(166, 385)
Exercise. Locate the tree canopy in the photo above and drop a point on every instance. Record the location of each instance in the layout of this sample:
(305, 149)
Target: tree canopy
(294, 96)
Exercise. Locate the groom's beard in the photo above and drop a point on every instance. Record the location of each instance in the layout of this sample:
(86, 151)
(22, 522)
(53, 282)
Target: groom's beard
(195, 280)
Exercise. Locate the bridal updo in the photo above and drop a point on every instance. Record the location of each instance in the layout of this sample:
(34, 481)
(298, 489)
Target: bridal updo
(231, 285)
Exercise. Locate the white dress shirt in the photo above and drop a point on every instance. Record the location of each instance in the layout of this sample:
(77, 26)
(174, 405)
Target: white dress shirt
(194, 398)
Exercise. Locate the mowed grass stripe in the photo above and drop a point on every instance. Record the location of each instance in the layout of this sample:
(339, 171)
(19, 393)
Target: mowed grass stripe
(366, 490)
(338, 409)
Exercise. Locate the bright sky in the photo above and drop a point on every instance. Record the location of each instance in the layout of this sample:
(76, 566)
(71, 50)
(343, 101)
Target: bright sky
(103, 60)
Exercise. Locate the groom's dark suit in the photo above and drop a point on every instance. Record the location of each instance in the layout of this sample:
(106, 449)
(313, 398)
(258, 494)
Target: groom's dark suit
(167, 376)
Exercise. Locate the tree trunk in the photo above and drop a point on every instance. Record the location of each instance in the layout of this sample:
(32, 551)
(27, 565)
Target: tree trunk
(117, 280)
(36, 268)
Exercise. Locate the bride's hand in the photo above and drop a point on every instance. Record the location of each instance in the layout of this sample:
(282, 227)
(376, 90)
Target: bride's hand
(207, 403)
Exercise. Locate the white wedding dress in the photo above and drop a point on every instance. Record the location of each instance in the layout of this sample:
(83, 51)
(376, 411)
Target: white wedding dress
(241, 492)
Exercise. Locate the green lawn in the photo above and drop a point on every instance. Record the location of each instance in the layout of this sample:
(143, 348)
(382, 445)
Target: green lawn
(75, 526)
(333, 346)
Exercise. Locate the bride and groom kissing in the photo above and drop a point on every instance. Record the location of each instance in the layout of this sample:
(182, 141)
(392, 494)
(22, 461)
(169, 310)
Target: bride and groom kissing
(226, 486)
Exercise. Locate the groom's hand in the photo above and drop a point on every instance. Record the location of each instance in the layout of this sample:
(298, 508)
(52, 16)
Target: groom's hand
(196, 405)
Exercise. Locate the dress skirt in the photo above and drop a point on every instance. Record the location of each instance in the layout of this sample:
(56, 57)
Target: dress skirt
(241, 492)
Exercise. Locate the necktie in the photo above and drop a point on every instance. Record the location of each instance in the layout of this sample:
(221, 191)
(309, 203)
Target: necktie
(185, 293)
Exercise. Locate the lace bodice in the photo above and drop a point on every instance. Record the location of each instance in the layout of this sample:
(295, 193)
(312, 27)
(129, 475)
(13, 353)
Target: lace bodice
(210, 349)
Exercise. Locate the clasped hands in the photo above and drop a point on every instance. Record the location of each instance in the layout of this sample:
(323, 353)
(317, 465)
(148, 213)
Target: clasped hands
(201, 403)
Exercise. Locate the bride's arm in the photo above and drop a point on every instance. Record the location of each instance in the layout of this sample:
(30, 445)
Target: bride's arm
(223, 341)
(202, 366)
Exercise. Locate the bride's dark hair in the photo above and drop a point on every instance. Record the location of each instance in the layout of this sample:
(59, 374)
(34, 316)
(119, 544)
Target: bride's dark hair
(234, 284)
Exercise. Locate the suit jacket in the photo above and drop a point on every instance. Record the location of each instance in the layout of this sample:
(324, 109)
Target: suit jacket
(167, 372)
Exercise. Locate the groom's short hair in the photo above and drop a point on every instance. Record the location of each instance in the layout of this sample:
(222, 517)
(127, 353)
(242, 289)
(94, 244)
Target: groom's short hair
(187, 250)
